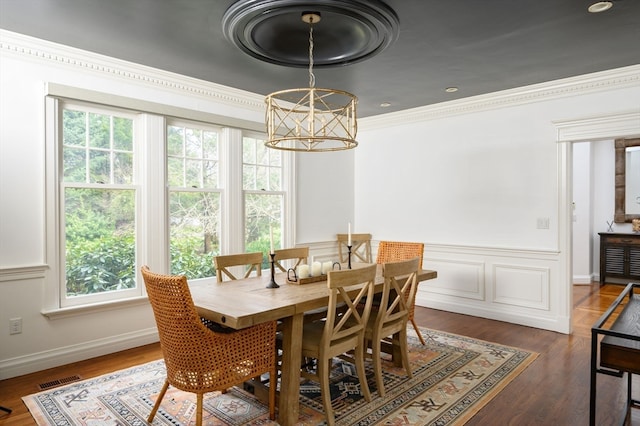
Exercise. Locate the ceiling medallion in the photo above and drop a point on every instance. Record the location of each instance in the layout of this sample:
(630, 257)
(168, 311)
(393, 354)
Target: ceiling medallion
(350, 31)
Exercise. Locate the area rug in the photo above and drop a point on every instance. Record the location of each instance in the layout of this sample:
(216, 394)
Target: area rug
(453, 378)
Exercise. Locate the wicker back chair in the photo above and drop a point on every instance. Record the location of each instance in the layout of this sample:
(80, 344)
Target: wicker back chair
(394, 251)
(360, 248)
(342, 331)
(252, 262)
(198, 359)
(299, 254)
(392, 315)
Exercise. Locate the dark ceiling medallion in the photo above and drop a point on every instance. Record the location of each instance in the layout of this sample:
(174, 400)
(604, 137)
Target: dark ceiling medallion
(350, 30)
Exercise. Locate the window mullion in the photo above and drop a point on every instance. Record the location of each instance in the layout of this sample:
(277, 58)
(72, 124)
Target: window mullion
(232, 238)
(153, 212)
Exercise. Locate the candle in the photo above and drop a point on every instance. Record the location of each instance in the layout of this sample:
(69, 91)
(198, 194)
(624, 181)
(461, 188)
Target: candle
(303, 271)
(316, 269)
(349, 237)
(326, 267)
(271, 239)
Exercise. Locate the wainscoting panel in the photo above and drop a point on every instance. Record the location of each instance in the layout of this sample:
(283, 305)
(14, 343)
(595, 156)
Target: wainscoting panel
(521, 286)
(524, 286)
(458, 278)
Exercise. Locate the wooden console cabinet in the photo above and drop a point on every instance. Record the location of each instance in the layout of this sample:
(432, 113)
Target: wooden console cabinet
(619, 256)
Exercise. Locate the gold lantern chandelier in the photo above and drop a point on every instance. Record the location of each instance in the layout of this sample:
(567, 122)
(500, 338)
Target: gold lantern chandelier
(311, 119)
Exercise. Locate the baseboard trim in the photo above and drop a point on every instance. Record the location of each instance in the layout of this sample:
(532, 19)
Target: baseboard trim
(557, 324)
(73, 353)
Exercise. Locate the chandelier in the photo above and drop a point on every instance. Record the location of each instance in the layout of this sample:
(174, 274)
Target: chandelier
(311, 119)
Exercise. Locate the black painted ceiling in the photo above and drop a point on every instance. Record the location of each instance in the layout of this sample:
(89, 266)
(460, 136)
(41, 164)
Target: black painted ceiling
(479, 46)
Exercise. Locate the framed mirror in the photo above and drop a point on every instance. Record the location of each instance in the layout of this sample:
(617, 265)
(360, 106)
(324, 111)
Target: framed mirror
(627, 180)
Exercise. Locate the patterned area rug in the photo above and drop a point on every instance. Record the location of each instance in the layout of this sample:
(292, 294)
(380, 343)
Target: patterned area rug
(453, 378)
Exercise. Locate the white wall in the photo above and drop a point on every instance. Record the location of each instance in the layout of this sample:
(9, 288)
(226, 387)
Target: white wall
(325, 183)
(581, 215)
(475, 181)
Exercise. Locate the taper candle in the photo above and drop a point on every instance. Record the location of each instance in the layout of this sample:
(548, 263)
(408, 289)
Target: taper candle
(271, 239)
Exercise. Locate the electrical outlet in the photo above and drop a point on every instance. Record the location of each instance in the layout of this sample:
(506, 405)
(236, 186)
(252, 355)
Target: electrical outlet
(15, 325)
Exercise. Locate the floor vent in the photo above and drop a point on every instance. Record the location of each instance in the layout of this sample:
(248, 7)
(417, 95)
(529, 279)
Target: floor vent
(59, 382)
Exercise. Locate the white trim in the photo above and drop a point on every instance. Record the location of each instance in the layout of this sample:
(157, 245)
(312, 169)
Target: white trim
(580, 129)
(39, 50)
(23, 273)
(622, 124)
(73, 353)
(606, 80)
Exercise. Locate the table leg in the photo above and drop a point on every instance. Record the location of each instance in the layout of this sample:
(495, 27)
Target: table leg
(288, 407)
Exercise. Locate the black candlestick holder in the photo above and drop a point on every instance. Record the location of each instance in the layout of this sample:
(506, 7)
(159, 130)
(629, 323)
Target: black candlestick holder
(272, 283)
(349, 257)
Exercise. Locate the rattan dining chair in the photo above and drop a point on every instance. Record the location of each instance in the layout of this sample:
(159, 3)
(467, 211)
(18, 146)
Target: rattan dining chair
(299, 254)
(251, 261)
(394, 251)
(360, 248)
(198, 359)
(387, 324)
(341, 331)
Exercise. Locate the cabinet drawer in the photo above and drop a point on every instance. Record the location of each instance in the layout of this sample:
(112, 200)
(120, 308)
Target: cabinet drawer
(622, 240)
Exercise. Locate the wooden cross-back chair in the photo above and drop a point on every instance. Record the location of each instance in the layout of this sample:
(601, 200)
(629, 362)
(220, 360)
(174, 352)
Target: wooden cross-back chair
(251, 261)
(394, 251)
(299, 254)
(201, 360)
(360, 248)
(341, 331)
(387, 324)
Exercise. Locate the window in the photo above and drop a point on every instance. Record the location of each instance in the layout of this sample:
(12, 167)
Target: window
(194, 198)
(98, 202)
(263, 195)
(127, 188)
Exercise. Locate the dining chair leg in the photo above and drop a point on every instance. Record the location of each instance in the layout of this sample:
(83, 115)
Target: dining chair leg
(199, 408)
(415, 326)
(404, 353)
(273, 378)
(158, 401)
(324, 371)
(376, 354)
(362, 375)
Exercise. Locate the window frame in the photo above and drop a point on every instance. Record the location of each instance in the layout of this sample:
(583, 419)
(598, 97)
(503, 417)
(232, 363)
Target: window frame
(150, 165)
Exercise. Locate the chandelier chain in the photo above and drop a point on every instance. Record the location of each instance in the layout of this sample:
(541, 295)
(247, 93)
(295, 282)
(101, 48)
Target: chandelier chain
(312, 77)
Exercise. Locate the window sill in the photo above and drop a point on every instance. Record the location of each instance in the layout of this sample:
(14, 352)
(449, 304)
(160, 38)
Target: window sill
(73, 311)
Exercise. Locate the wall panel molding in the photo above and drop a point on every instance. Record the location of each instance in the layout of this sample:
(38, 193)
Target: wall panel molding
(521, 286)
(464, 278)
(23, 273)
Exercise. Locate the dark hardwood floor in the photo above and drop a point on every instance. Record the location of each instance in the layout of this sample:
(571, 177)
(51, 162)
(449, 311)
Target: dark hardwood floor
(553, 390)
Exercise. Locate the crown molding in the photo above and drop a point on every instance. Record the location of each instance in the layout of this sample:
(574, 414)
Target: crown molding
(606, 80)
(34, 49)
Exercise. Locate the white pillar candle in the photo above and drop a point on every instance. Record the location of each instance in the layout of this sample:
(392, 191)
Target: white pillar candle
(326, 267)
(303, 271)
(316, 269)
(349, 235)
(271, 239)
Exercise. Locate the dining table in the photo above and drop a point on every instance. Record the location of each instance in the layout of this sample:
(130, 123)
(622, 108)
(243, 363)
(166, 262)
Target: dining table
(245, 302)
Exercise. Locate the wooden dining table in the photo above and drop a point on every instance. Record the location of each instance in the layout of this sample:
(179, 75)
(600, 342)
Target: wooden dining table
(246, 302)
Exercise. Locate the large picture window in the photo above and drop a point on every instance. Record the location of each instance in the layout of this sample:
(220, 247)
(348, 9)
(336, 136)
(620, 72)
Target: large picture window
(194, 198)
(137, 188)
(263, 195)
(98, 193)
